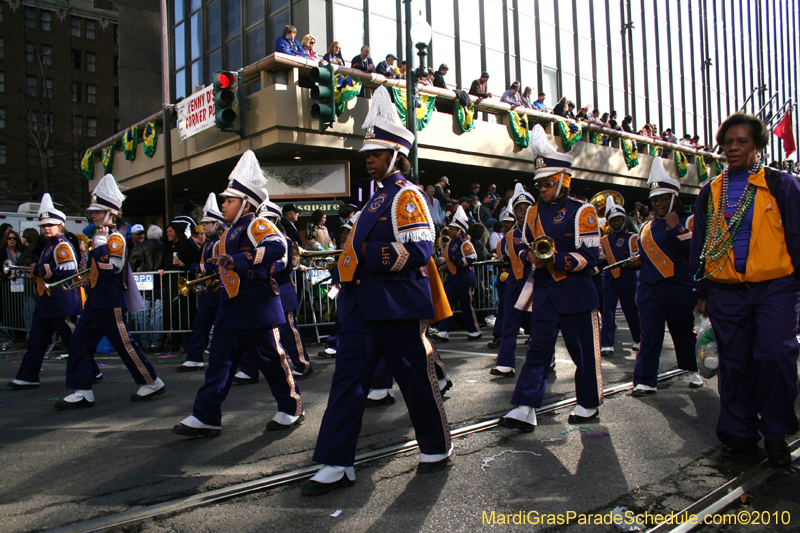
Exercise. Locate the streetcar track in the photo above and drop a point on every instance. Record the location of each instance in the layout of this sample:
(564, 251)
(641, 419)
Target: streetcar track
(274, 481)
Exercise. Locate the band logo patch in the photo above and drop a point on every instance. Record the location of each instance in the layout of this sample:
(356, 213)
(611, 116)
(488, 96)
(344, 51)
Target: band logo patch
(376, 203)
(559, 216)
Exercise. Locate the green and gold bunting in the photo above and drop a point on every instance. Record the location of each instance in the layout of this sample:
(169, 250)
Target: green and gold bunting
(129, 140)
(108, 158)
(598, 138)
(702, 168)
(630, 151)
(465, 117)
(656, 151)
(518, 126)
(150, 138)
(719, 166)
(682, 163)
(424, 113)
(346, 89)
(570, 133)
(87, 164)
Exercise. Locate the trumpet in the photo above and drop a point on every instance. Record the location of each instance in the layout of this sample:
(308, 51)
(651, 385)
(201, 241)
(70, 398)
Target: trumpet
(185, 287)
(543, 247)
(300, 254)
(48, 287)
(14, 270)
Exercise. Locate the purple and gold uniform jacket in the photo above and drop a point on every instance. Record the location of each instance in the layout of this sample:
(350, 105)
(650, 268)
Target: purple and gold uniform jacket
(286, 284)
(618, 247)
(203, 268)
(567, 280)
(108, 277)
(458, 256)
(390, 280)
(664, 275)
(58, 261)
(515, 252)
(249, 294)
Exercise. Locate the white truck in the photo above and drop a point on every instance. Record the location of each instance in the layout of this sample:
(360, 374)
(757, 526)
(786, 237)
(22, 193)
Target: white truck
(27, 217)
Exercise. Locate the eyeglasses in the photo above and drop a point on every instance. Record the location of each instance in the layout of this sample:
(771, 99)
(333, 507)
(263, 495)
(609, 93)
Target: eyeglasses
(546, 184)
(12, 238)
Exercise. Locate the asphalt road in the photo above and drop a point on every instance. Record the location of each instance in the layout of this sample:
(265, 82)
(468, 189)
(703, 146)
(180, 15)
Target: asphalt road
(656, 454)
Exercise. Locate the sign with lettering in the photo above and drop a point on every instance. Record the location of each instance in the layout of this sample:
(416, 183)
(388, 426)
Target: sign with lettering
(311, 180)
(144, 282)
(307, 208)
(18, 285)
(196, 113)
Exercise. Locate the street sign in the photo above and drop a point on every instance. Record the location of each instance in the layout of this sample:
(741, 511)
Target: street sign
(323, 179)
(196, 113)
(306, 208)
(144, 282)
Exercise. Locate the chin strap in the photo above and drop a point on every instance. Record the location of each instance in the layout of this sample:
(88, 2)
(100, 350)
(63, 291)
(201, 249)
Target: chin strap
(239, 214)
(391, 163)
(560, 181)
(105, 219)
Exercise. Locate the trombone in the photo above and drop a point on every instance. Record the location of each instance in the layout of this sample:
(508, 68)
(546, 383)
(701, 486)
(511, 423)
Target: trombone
(300, 254)
(48, 287)
(14, 270)
(185, 287)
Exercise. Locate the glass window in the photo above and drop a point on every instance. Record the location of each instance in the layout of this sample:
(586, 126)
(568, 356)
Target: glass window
(48, 122)
(116, 65)
(77, 125)
(233, 54)
(32, 121)
(587, 95)
(546, 12)
(442, 19)
(214, 62)
(90, 27)
(493, 25)
(31, 83)
(197, 73)
(568, 53)
(116, 34)
(233, 19)
(2, 47)
(599, 23)
(548, 39)
(180, 84)
(116, 96)
(47, 55)
(3, 150)
(354, 3)
(527, 37)
(2, 118)
(469, 22)
(178, 11)
(91, 127)
(550, 82)
(384, 38)
(389, 9)
(444, 47)
(47, 88)
(91, 93)
(49, 156)
(603, 100)
(255, 44)
(495, 61)
(278, 22)
(75, 30)
(277, 5)
(601, 57)
(180, 46)
(91, 62)
(30, 18)
(2, 82)
(194, 5)
(33, 157)
(255, 12)
(615, 25)
(76, 91)
(471, 64)
(30, 52)
(214, 25)
(76, 59)
(46, 17)
(348, 29)
(529, 75)
(196, 36)
(568, 89)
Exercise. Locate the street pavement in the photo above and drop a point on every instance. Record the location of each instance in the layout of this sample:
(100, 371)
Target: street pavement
(656, 454)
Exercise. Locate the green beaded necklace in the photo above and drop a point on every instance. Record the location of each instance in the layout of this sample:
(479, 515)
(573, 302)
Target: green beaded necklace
(718, 243)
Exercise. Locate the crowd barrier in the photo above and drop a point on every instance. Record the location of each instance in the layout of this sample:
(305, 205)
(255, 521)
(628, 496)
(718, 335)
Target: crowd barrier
(166, 312)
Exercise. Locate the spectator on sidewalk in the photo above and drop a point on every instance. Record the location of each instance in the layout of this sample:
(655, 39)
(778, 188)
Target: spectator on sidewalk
(147, 256)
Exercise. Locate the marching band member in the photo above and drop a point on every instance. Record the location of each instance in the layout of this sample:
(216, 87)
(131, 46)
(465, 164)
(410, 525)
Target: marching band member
(564, 297)
(746, 253)
(460, 283)
(208, 302)
(55, 310)
(292, 340)
(390, 289)
(618, 283)
(520, 270)
(332, 342)
(250, 308)
(665, 289)
(503, 272)
(111, 291)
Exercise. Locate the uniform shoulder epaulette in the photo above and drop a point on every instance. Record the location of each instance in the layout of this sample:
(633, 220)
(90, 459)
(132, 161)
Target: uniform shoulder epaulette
(116, 245)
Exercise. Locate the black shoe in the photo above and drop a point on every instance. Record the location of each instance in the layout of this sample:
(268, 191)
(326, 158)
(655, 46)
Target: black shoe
(16, 386)
(494, 343)
(778, 453)
(475, 337)
(430, 468)
(315, 488)
(437, 338)
(386, 400)
(245, 381)
(184, 368)
(186, 431)
(61, 405)
(136, 398)
(640, 393)
(447, 387)
(576, 419)
(513, 423)
(275, 426)
(302, 374)
(509, 374)
(97, 379)
(738, 448)
(325, 355)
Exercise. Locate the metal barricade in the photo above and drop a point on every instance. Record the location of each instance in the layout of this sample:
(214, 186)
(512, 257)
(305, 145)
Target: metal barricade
(317, 307)
(17, 302)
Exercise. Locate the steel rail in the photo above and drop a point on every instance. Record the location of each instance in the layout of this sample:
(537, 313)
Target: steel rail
(240, 489)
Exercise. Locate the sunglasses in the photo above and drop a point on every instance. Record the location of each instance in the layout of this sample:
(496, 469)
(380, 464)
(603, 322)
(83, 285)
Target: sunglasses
(12, 238)
(313, 42)
(546, 184)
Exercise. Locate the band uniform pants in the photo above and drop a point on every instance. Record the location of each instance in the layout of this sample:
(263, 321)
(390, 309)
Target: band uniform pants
(464, 297)
(203, 322)
(292, 342)
(629, 308)
(680, 321)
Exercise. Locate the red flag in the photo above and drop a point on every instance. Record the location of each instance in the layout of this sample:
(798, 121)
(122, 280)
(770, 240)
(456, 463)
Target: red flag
(784, 131)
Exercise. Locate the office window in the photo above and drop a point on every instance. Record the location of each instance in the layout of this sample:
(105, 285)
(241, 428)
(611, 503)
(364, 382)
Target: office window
(2, 47)
(77, 125)
(48, 122)
(3, 154)
(116, 96)
(30, 53)
(47, 55)
(33, 157)
(76, 27)
(47, 88)
(91, 62)
(49, 156)
(76, 59)
(116, 126)
(2, 82)
(116, 65)
(76, 91)
(116, 34)
(91, 93)
(91, 127)
(2, 117)
(30, 84)
(1, 12)
(4, 184)
(32, 121)
(45, 19)
(30, 18)
(90, 27)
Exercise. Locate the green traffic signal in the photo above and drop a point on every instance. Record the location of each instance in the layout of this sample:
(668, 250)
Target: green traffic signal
(325, 94)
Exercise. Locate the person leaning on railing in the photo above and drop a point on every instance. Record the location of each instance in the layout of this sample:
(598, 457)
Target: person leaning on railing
(179, 253)
(147, 256)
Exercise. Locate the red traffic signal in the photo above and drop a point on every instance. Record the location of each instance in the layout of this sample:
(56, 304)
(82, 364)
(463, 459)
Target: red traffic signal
(224, 80)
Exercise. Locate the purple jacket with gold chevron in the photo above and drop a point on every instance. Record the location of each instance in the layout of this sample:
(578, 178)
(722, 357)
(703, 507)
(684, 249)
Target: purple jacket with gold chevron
(108, 279)
(618, 247)
(458, 256)
(58, 261)
(567, 281)
(664, 275)
(209, 250)
(389, 281)
(250, 294)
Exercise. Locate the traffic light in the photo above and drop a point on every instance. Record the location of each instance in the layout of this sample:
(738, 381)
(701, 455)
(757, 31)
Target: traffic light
(325, 94)
(224, 98)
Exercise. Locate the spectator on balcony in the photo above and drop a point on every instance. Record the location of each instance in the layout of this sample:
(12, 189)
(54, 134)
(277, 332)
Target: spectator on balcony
(612, 120)
(427, 79)
(696, 142)
(582, 115)
(387, 67)
(401, 68)
(561, 107)
(570, 110)
(686, 141)
(539, 102)
(287, 44)
(595, 118)
(438, 76)
(511, 96)
(479, 87)
(526, 98)
(308, 47)
(627, 124)
(363, 61)
(604, 120)
(646, 131)
(334, 55)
